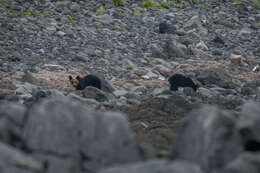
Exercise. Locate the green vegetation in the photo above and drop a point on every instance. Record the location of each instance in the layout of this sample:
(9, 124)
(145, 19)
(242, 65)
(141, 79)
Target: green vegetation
(138, 13)
(13, 15)
(36, 13)
(164, 5)
(100, 11)
(70, 18)
(28, 13)
(118, 3)
(237, 1)
(6, 7)
(255, 3)
(152, 4)
(2, 9)
(46, 13)
(148, 4)
(4, 4)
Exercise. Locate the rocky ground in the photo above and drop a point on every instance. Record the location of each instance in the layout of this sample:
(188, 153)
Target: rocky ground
(134, 50)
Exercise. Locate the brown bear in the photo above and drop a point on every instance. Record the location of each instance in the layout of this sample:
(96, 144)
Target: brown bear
(80, 83)
(179, 80)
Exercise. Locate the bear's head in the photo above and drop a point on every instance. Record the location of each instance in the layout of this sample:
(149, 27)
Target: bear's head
(74, 81)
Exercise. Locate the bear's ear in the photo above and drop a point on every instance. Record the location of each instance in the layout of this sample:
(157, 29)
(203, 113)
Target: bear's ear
(196, 86)
(70, 77)
(78, 77)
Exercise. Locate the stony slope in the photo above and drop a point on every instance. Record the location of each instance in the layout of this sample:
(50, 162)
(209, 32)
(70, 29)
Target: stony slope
(134, 49)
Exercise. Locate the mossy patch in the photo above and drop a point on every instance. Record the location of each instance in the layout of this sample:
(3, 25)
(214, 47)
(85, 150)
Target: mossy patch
(152, 4)
(118, 3)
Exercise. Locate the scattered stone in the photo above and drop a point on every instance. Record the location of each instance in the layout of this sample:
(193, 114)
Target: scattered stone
(94, 93)
(60, 33)
(218, 39)
(256, 68)
(165, 28)
(244, 32)
(88, 101)
(216, 76)
(119, 93)
(25, 89)
(205, 93)
(235, 59)
(201, 45)
(150, 75)
(173, 49)
(250, 88)
(105, 19)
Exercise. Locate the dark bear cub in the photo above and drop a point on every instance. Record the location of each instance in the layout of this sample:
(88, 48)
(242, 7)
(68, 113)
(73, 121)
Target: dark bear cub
(80, 83)
(178, 80)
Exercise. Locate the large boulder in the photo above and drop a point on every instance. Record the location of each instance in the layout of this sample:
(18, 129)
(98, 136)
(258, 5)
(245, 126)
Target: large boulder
(216, 77)
(156, 166)
(64, 127)
(13, 160)
(207, 137)
(12, 116)
(248, 126)
(250, 88)
(245, 163)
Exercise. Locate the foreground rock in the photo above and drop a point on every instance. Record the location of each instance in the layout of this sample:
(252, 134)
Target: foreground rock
(57, 135)
(156, 166)
(246, 162)
(248, 126)
(11, 120)
(208, 138)
(65, 128)
(64, 134)
(15, 161)
(217, 140)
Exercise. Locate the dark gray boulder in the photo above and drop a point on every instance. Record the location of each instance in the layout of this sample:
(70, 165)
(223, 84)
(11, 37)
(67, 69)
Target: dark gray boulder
(12, 116)
(245, 163)
(172, 49)
(94, 93)
(250, 88)
(14, 112)
(13, 160)
(207, 137)
(156, 166)
(40, 94)
(216, 77)
(165, 28)
(249, 126)
(64, 127)
(59, 164)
